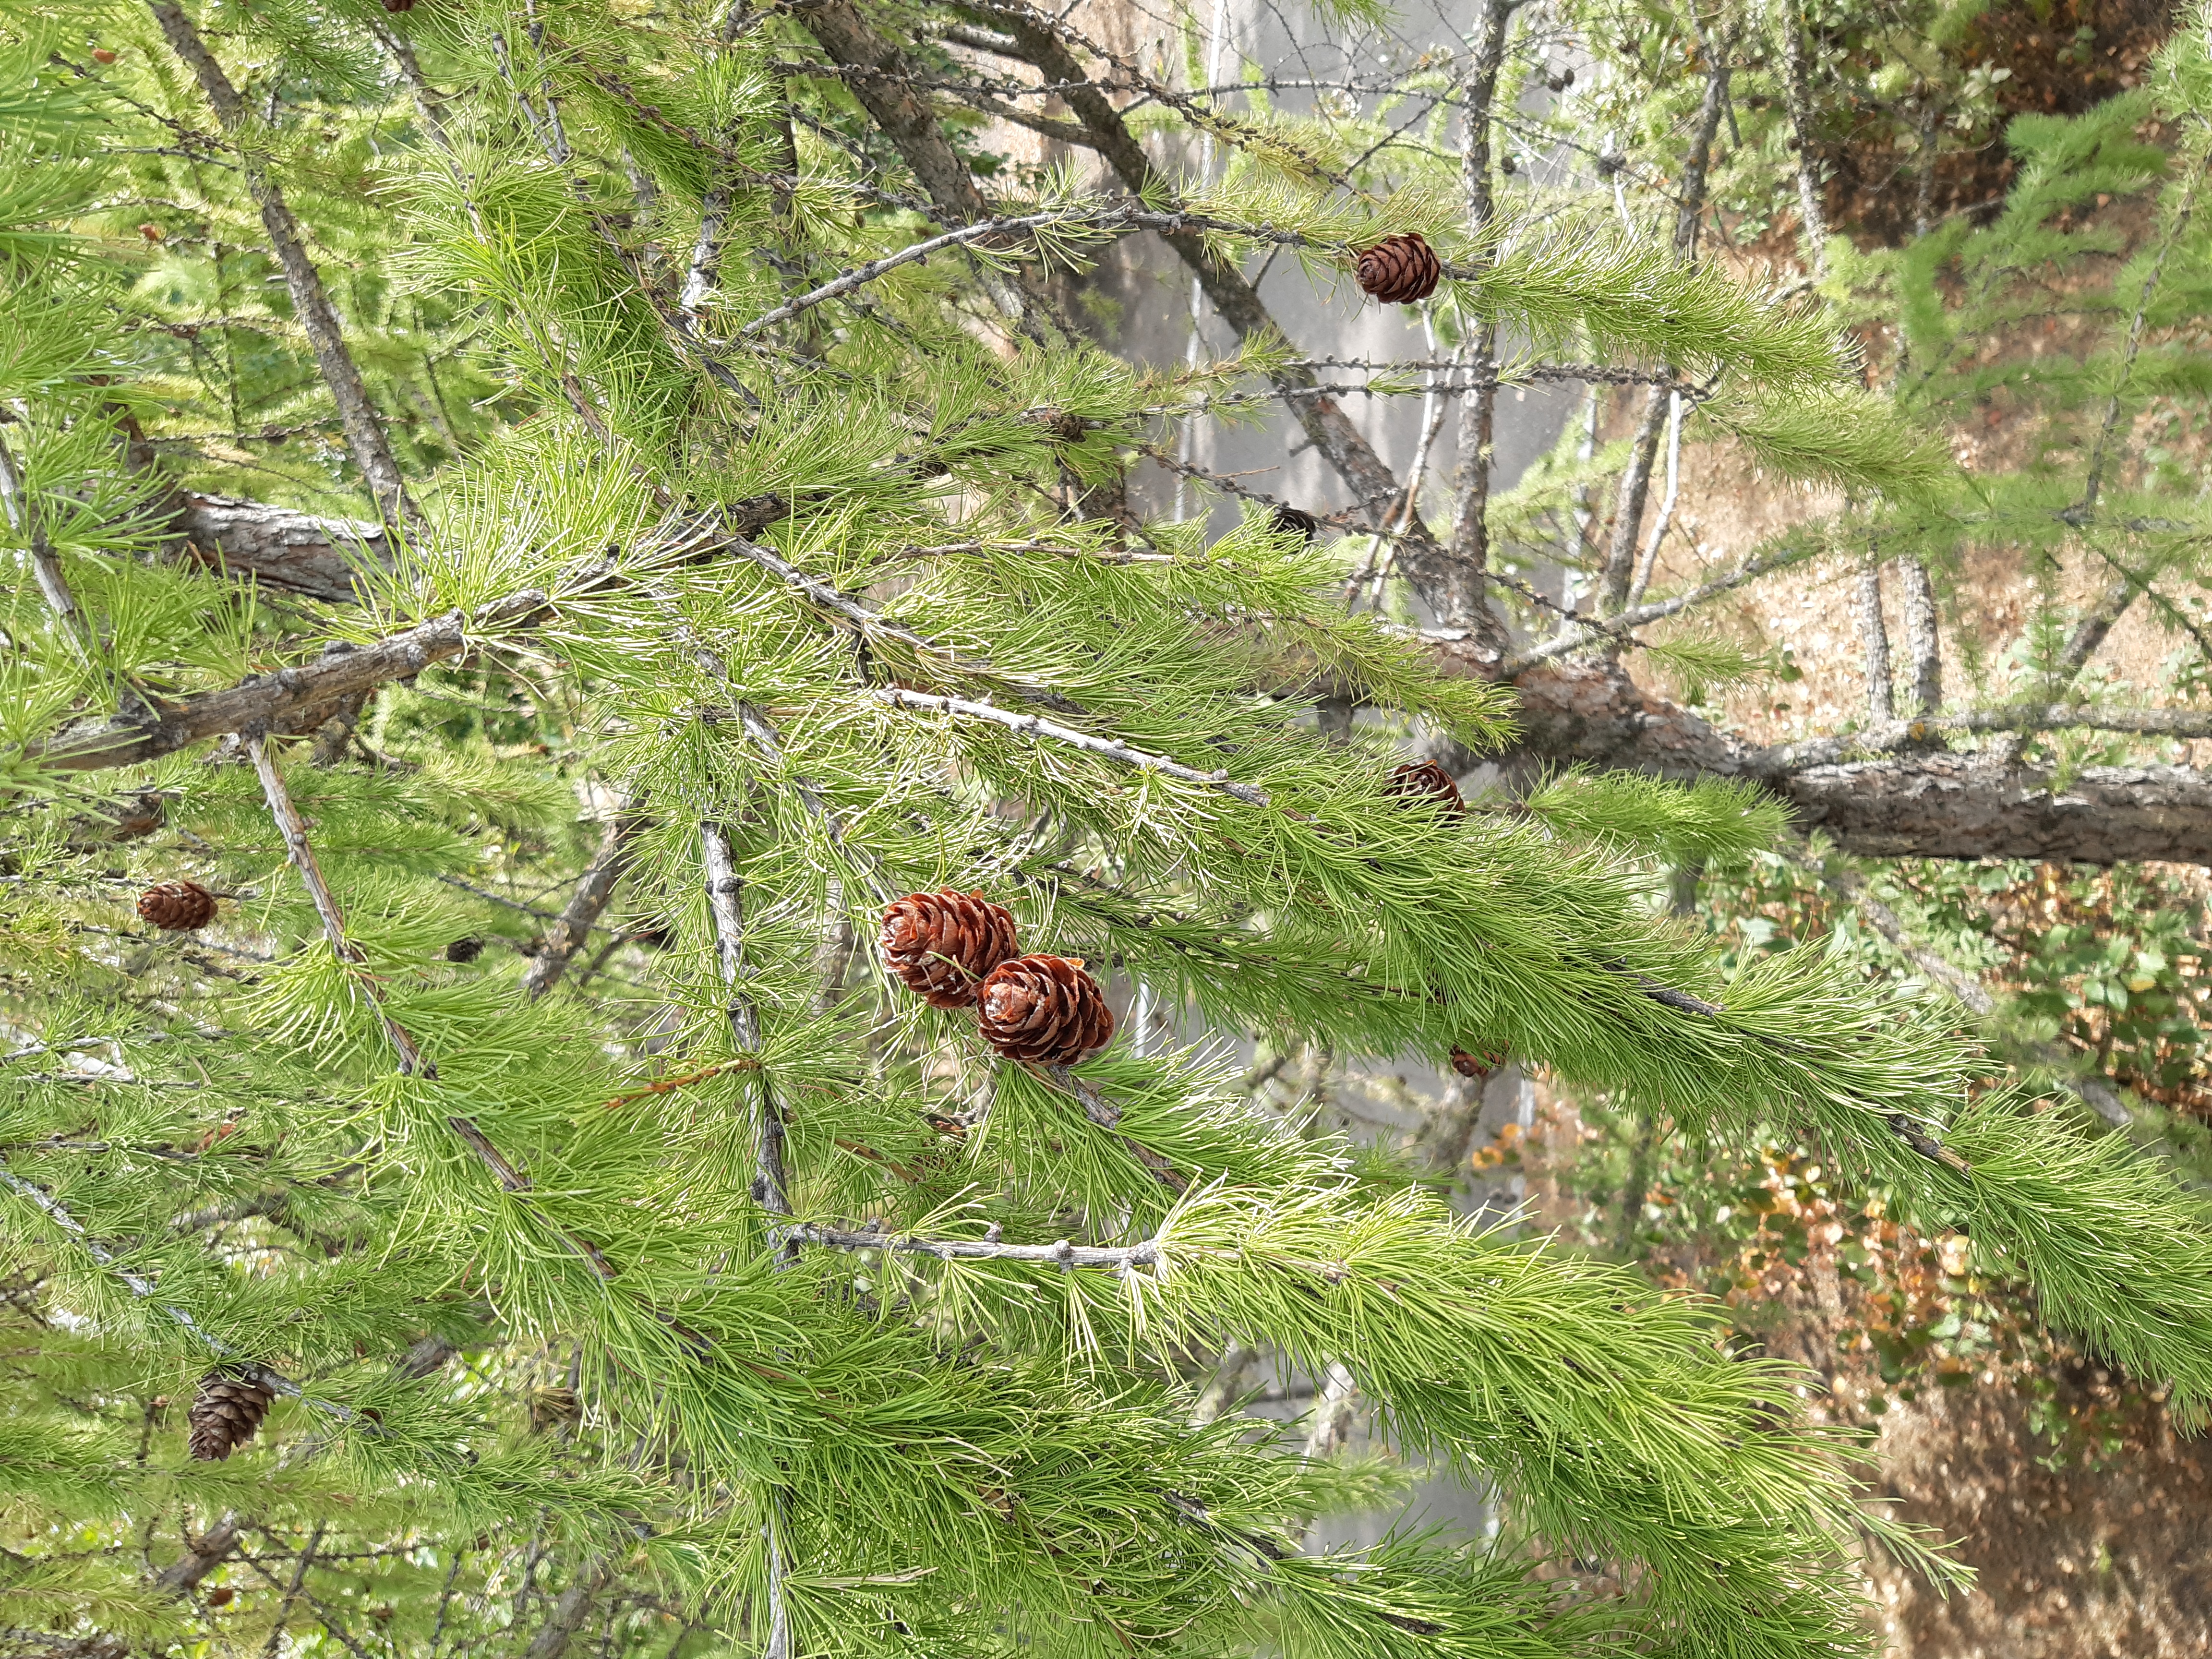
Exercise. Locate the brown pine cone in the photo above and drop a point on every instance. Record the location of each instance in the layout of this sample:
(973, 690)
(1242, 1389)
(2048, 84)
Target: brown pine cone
(1425, 781)
(1290, 522)
(1045, 1009)
(177, 906)
(225, 1413)
(942, 944)
(1481, 1064)
(465, 949)
(399, 5)
(1400, 270)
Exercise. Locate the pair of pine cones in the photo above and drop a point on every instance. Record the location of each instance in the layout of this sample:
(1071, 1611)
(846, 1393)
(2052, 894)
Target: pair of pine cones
(1400, 270)
(958, 951)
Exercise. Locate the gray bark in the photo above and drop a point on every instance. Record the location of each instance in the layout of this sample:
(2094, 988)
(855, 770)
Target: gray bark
(1874, 634)
(1935, 805)
(1923, 642)
(880, 82)
(288, 700)
(1478, 410)
(325, 559)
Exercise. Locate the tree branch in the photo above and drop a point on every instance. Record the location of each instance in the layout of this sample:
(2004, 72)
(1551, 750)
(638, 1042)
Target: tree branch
(357, 414)
(284, 701)
(1470, 541)
(297, 552)
(586, 904)
(1066, 1255)
(771, 1187)
(1037, 725)
(1874, 634)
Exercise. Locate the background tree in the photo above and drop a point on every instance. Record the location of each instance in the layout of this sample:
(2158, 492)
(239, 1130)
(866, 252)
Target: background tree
(776, 568)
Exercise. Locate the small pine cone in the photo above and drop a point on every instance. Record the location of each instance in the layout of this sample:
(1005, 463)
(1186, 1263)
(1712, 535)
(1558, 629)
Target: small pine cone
(1291, 522)
(1400, 270)
(465, 949)
(177, 906)
(1478, 1065)
(1045, 1009)
(943, 944)
(399, 5)
(225, 1413)
(1425, 781)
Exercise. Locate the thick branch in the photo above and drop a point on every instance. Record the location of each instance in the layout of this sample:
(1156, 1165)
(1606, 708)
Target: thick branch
(912, 126)
(1798, 83)
(1922, 640)
(1939, 804)
(285, 701)
(202, 1555)
(1874, 634)
(296, 552)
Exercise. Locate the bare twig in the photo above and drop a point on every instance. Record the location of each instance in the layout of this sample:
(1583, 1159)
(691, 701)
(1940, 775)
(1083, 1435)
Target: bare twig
(1037, 725)
(293, 828)
(586, 904)
(725, 899)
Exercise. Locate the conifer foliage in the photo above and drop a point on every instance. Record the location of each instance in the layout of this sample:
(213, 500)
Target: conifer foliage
(724, 1260)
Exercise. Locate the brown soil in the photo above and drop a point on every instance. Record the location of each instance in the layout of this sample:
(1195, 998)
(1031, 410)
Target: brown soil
(2107, 1556)
(2064, 56)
